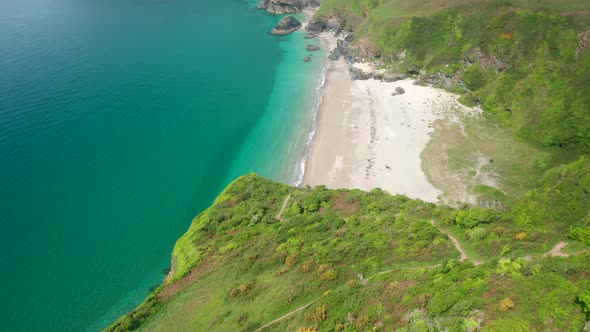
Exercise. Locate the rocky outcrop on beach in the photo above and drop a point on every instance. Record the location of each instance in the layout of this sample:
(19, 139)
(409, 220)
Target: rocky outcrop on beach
(359, 51)
(367, 72)
(440, 80)
(286, 25)
(284, 6)
(335, 54)
(334, 23)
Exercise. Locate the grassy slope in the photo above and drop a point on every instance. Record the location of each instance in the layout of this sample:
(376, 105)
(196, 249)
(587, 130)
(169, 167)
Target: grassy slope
(239, 268)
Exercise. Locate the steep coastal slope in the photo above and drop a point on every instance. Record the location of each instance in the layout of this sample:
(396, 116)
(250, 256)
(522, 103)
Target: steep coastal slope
(346, 259)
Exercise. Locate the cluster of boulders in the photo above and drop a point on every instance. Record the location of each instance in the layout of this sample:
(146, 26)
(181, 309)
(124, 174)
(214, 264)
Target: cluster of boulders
(288, 24)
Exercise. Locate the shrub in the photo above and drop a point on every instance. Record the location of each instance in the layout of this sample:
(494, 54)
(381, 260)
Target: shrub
(473, 217)
(317, 315)
(580, 234)
(584, 299)
(506, 304)
(241, 290)
(521, 236)
(307, 265)
(281, 272)
(361, 322)
(307, 329)
(323, 268)
(477, 234)
(295, 209)
(291, 259)
(329, 275)
(498, 230)
(352, 283)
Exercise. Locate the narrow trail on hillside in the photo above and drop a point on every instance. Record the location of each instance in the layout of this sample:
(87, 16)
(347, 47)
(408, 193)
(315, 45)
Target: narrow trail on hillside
(457, 245)
(556, 251)
(286, 315)
(278, 216)
(363, 282)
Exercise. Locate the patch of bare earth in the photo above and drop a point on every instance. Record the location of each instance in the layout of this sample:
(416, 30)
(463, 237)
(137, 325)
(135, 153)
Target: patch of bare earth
(342, 204)
(194, 275)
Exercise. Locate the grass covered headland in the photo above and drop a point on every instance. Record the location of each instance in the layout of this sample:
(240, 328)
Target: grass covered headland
(353, 260)
(270, 257)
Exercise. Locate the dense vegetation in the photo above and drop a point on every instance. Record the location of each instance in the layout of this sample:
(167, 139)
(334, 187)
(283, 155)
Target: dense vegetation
(364, 261)
(272, 257)
(525, 66)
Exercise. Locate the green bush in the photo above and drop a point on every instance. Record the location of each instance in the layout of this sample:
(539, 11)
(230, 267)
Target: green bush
(581, 234)
(476, 216)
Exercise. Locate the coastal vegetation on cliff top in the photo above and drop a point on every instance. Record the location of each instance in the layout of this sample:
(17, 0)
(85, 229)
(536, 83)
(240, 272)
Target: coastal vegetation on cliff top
(267, 256)
(369, 260)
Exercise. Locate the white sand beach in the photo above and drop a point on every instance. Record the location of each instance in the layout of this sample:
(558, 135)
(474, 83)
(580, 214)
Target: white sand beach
(366, 138)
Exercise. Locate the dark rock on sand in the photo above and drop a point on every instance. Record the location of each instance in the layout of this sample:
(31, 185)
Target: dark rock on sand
(398, 91)
(286, 25)
(358, 74)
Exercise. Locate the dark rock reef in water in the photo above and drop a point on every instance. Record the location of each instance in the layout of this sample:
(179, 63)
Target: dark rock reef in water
(286, 25)
(312, 48)
(263, 4)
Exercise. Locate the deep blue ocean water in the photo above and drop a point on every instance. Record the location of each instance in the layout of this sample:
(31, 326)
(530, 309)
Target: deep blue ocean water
(120, 120)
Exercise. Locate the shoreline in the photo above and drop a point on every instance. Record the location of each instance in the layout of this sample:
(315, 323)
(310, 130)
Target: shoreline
(367, 138)
(319, 95)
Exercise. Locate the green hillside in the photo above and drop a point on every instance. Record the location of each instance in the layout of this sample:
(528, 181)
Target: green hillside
(356, 261)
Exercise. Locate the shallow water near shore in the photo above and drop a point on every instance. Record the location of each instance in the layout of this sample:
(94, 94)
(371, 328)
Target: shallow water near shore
(119, 122)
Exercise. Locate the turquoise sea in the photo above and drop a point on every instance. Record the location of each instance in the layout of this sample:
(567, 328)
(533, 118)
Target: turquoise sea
(120, 120)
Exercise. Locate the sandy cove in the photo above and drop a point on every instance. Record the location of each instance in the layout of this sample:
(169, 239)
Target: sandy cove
(366, 138)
